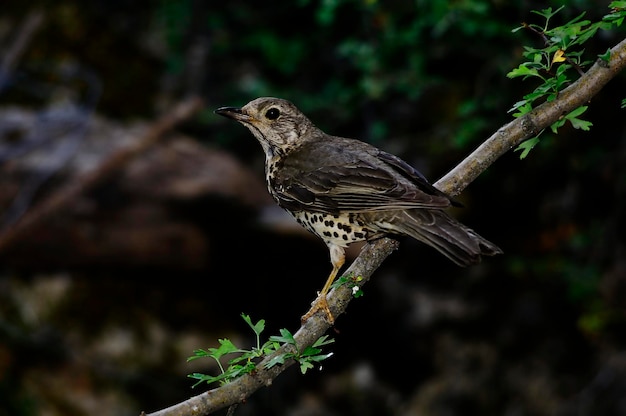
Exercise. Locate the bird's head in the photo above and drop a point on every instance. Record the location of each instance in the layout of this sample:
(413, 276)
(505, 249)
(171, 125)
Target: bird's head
(276, 123)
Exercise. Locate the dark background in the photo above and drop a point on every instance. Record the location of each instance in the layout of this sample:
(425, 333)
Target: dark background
(539, 330)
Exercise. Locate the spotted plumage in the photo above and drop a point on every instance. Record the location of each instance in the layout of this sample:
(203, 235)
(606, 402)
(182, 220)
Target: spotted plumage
(344, 190)
(337, 229)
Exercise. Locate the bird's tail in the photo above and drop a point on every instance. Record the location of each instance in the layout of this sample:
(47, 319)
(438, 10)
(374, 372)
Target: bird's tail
(440, 231)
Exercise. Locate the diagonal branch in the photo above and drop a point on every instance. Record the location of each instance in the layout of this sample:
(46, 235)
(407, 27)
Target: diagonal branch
(522, 128)
(58, 201)
(373, 254)
(14, 52)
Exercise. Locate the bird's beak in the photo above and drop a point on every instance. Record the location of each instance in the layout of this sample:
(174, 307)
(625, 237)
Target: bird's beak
(234, 113)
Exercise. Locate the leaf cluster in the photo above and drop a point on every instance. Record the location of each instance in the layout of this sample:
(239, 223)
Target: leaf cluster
(306, 358)
(246, 360)
(352, 282)
(558, 61)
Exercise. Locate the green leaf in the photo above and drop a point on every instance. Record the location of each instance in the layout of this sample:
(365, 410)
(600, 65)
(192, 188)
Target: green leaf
(547, 13)
(578, 111)
(279, 360)
(526, 146)
(606, 56)
(323, 340)
(342, 280)
(581, 124)
(270, 346)
(226, 347)
(523, 71)
(258, 327)
(304, 366)
(524, 108)
(285, 337)
(616, 18)
(310, 351)
(321, 357)
(242, 357)
(239, 370)
(555, 126)
(199, 354)
(208, 379)
(576, 122)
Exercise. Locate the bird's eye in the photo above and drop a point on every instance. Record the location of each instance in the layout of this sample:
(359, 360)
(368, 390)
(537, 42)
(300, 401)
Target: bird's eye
(272, 113)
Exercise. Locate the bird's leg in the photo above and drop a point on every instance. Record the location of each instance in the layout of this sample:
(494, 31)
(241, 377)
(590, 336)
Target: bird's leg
(337, 258)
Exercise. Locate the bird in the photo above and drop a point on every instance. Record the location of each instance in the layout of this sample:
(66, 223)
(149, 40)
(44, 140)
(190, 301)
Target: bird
(345, 190)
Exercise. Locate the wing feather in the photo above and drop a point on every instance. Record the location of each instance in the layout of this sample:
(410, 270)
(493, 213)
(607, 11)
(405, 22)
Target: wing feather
(367, 180)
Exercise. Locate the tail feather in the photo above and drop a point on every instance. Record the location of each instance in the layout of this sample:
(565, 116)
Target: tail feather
(439, 230)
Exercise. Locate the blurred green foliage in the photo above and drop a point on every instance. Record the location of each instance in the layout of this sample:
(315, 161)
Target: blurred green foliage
(362, 66)
(352, 56)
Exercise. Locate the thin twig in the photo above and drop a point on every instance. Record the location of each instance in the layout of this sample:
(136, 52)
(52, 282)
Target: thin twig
(11, 57)
(114, 163)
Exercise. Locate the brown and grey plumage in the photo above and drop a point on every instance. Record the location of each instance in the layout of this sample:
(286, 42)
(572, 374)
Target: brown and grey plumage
(345, 190)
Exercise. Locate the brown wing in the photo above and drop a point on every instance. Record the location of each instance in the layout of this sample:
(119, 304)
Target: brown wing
(345, 176)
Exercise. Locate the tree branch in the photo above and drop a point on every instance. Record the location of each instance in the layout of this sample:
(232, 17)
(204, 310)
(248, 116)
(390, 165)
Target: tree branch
(14, 52)
(532, 123)
(373, 254)
(56, 202)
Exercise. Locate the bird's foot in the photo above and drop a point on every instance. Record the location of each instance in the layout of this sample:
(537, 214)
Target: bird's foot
(319, 303)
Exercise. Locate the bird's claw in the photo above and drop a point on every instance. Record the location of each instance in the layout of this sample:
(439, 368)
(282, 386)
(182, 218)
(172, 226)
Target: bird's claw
(319, 304)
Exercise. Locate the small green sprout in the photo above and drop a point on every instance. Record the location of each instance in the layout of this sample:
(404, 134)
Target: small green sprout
(246, 361)
(306, 358)
(352, 281)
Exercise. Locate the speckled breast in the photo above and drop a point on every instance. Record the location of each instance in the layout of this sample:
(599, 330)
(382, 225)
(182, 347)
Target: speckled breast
(340, 229)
